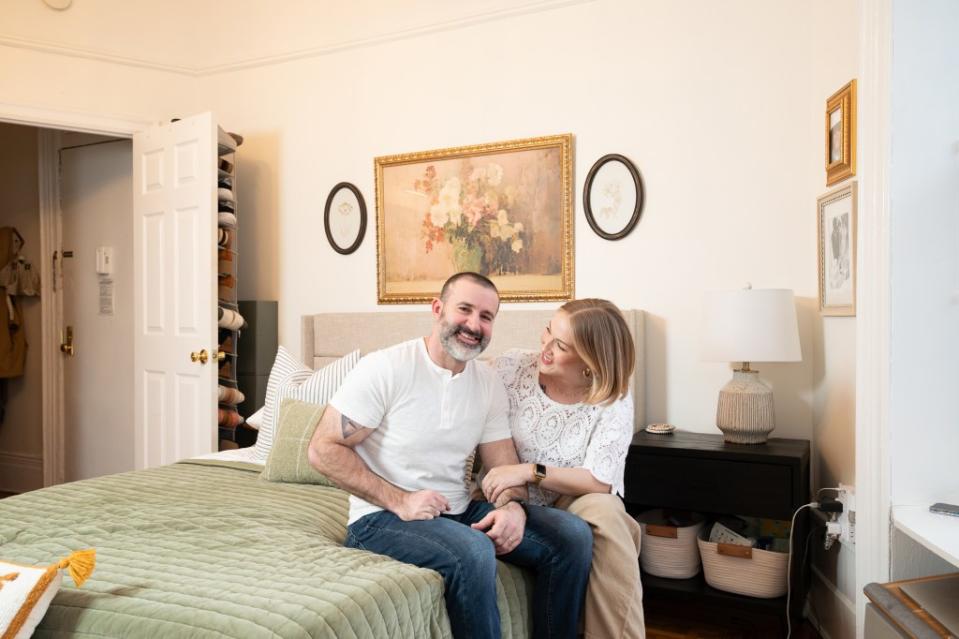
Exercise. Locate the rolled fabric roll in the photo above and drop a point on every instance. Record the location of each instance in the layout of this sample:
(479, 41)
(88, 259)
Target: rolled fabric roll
(232, 396)
(223, 238)
(226, 143)
(228, 418)
(225, 195)
(225, 180)
(226, 166)
(230, 319)
(225, 218)
(225, 206)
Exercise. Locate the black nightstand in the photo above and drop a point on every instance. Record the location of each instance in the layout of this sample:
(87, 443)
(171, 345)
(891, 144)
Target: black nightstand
(700, 472)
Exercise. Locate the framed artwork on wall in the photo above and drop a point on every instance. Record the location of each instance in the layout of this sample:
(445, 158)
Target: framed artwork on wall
(841, 134)
(502, 209)
(836, 222)
(344, 218)
(613, 197)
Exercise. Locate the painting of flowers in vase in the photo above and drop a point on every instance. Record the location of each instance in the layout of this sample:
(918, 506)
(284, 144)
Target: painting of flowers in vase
(502, 209)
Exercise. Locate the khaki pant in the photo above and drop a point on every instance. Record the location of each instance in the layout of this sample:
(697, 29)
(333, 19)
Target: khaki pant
(614, 596)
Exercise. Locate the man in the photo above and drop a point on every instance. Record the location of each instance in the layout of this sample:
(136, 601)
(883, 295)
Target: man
(398, 435)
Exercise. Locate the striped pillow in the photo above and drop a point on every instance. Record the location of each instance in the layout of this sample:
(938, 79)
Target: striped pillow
(290, 378)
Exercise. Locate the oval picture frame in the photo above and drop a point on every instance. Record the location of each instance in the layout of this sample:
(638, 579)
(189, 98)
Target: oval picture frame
(337, 221)
(616, 219)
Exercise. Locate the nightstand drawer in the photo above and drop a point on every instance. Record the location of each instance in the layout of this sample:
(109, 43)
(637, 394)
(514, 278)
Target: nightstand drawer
(711, 485)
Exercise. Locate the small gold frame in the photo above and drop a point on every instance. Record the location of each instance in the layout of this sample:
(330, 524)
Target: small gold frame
(563, 288)
(841, 134)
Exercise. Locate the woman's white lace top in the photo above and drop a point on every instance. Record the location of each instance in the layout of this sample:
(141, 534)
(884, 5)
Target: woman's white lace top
(581, 435)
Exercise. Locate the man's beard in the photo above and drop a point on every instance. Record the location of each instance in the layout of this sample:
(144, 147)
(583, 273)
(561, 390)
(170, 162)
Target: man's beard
(457, 349)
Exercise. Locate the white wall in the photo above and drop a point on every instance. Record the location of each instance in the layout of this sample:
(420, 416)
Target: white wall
(83, 87)
(711, 102)
(835, 61)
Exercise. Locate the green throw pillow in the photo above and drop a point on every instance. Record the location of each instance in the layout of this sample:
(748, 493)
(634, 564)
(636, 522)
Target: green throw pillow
(288, 461)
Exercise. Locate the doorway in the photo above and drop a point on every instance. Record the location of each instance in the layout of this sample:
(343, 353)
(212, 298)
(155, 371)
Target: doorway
(69, 193)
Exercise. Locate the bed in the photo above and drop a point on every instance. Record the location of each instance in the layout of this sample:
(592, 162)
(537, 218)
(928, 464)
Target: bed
(205, 548)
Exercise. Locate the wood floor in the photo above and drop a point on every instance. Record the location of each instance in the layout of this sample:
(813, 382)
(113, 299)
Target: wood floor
(685, 629)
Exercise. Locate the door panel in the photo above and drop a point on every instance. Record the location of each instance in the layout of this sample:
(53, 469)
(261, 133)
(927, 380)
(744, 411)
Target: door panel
(95, 203)
(175, 226)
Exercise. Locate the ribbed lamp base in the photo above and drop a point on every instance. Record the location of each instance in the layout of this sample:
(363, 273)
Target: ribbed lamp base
(745, 411)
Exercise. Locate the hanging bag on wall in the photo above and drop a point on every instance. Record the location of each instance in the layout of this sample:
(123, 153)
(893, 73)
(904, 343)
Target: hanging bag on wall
(17, 278)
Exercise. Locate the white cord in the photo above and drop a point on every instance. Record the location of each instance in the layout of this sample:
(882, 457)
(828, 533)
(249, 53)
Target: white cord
(789, 565)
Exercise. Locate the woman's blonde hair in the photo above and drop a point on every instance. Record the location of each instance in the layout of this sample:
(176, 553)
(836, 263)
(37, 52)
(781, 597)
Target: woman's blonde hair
(603, 341)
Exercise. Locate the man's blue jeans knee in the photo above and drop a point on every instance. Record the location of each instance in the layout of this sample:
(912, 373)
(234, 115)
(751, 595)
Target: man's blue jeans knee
(556, 547)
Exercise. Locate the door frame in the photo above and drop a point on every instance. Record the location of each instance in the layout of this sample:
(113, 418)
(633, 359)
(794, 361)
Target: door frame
(51, 122)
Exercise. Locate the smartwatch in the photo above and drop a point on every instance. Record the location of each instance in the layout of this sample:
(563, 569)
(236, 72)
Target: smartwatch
(539, 473)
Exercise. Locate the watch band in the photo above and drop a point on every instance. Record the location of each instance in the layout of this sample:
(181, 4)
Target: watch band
(539, 473)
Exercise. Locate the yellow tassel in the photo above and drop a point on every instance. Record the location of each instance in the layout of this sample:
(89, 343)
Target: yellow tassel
(81, 564)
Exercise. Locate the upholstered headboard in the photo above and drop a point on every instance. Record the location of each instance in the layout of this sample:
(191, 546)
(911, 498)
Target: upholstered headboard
(328, 336)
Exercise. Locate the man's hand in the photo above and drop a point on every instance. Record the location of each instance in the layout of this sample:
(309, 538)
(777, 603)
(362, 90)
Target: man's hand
(422, 504)
(503, 478)
(504, 526)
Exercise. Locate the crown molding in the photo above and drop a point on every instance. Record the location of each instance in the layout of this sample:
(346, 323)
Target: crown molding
(279, 58)
(393, 36)
(54, 48)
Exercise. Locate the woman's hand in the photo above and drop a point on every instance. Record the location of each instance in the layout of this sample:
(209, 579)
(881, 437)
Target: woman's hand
(504, 477)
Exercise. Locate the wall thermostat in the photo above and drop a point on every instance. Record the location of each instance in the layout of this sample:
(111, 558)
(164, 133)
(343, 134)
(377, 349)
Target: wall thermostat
(105, 260)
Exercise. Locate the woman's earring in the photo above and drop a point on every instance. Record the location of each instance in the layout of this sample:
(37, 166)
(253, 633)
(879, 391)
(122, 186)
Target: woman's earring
(587, 373)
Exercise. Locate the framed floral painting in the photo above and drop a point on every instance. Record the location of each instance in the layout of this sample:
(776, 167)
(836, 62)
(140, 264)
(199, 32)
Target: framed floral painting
(502, 209)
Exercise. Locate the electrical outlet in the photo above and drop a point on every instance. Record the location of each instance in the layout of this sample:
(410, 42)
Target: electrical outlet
(847, 519)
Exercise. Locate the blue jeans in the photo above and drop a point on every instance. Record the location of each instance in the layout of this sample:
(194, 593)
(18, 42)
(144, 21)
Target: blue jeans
(557, 547)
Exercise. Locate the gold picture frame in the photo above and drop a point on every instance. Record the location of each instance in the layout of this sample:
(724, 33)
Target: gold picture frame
(503, 209)
(841, 134)
(836, 230)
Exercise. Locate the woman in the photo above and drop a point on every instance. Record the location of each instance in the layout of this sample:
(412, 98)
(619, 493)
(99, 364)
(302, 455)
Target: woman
(572, 420)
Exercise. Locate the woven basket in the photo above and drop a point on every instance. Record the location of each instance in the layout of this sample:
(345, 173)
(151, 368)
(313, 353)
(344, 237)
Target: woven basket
(744, 570)
(669, 551)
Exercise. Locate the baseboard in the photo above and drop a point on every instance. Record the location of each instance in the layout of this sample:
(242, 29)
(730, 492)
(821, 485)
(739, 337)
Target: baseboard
(835, 613)
(20, 473)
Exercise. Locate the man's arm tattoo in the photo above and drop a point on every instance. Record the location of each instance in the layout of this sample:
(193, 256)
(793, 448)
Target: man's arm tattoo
(348, 426)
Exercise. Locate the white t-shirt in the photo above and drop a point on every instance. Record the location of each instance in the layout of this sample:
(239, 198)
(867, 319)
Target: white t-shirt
(580, 435)
(426, 421)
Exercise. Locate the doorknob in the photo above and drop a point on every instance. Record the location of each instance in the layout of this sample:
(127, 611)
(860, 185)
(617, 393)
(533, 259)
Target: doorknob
(220, 355)
(201, 357)
(66, 345)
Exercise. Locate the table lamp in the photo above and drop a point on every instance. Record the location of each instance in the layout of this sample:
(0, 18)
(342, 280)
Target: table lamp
(749, 325)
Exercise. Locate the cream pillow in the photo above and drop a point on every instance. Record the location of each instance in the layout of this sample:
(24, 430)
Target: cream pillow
(289, 461)
(26, 591)
(290, 378)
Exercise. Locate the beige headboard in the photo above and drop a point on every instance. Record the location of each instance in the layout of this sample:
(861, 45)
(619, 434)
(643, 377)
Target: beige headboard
(327, 336)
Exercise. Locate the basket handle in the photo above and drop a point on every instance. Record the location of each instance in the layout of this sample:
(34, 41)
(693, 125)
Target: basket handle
(654, 530)
(735, 550)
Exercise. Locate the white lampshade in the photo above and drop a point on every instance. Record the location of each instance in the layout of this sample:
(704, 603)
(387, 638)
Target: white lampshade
(750, 325)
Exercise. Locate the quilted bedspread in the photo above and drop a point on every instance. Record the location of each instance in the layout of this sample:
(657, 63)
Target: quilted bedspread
(207, 549)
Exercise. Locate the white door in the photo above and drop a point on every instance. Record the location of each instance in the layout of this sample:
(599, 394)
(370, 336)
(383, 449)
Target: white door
(174, 233)
(95, 202)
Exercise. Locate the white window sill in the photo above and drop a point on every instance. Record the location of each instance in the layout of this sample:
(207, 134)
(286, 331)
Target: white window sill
(938, 533)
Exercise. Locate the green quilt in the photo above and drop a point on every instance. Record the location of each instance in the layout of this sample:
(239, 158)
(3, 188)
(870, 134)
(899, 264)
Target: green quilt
(207, 549)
